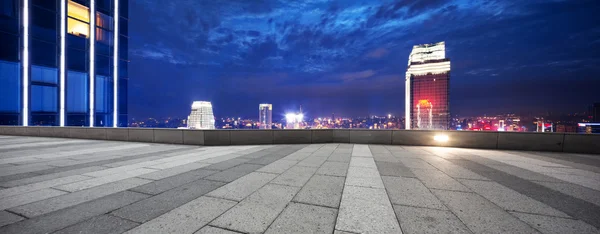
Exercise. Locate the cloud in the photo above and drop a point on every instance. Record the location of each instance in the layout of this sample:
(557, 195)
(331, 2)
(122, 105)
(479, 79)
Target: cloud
(357, 75)
(377, 53)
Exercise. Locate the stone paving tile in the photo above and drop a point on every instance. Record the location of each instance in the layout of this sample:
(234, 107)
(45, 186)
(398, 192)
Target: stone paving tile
(103, 224)
(243, 187)
(480, 215)
(312, 161)
(297, 156)
(10, 202)
(423, 220)
(333, 169)
(574, 207)
(8, 218)
(227, 164)
(340, 157)
(234, 173)
(573, 190)
(302, 218)
(187, 218)
(393, 169)
(85, 184)
(72, 199)
(266, 160)
(547, 224)
(438, 180)
(255, 213)
(362, 162)
(41, 185)
(416, 163)
(155, 206)
(452, 170)
(366, 210)
(214, 230)
(278, 166)
(364, 177)
(63, 218)
(296, 176)
(158, 175)
(322, 190)
(509, 199)
(172, 182)
(410, 192)
(361, 151)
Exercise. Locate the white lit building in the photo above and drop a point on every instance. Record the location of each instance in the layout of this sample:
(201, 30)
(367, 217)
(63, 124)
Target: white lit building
(201, 116)
(427, 88)
(265, 115)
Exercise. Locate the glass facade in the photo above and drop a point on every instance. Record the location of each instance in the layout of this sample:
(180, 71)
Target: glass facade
(427, 88)
(62, 62)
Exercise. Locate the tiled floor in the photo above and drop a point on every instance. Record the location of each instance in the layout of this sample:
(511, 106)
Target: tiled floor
(81, 186)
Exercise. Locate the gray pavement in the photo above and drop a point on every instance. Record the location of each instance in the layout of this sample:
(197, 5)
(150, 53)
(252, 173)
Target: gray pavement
(50, 185)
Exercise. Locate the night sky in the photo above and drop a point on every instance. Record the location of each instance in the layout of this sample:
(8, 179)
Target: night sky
(350, 57)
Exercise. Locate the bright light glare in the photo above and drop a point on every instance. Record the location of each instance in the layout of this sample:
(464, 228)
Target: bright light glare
(299, 117)
(290, 117)
(441, 138)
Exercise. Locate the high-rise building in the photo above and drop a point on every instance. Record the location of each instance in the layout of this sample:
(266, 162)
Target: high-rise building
(596, 112)
(63, 62)
(201, 116)
(265, 115)
(427, 88)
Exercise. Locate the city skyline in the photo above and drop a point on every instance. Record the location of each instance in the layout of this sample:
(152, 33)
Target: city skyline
(350, 59)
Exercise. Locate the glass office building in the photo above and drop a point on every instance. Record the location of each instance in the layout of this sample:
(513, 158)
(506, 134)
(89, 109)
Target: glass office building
(63, 62)
(265, 116)
(427, 88)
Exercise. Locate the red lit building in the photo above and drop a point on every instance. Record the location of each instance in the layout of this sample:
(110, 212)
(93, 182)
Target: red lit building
(427, 88)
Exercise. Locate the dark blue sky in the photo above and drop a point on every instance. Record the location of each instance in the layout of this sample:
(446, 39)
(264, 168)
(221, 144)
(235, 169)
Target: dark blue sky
(350, 57)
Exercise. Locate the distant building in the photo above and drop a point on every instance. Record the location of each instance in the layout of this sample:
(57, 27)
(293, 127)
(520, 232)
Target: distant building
(265, 115)
(427, 86)
(596, 112)
(201, 116)
(64, 63)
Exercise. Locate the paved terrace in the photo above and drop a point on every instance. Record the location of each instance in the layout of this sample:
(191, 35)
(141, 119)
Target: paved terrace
(85, 186)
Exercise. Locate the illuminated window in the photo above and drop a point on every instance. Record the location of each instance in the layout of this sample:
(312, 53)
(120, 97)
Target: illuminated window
(104, 28)
(78, 23)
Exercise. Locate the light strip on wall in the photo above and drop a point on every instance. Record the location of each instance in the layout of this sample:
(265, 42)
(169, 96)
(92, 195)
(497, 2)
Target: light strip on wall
(25, 62)
(63, 18)
(92, 57)
(115, 63)
(407, 104)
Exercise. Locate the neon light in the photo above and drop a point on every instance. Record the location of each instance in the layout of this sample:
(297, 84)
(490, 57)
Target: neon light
(63, 18)
(92, 55)
(25, 62)
(115, 62)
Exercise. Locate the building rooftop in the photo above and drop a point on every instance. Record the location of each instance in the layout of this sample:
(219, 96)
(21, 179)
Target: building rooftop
(91, 186)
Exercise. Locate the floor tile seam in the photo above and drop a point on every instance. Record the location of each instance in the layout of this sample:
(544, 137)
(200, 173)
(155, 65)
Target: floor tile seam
(386, 192)
(545, 215)
(310, 204)
(343, 189)
(549, 205)
(214, 226)
(49, 187)
(422, 207)
(284, 208)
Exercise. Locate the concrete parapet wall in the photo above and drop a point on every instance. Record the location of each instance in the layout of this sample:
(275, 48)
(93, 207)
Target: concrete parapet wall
(558, 142)
(531, 141)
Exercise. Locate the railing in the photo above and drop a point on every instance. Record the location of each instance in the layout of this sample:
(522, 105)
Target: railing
(558, 142)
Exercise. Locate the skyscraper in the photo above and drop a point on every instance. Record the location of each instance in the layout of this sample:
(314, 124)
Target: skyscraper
(596, 112)
(265, 115)
(201, 116)
(63, 62)
(427, 88)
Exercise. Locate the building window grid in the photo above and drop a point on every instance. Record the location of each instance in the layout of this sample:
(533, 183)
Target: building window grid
(432, 87)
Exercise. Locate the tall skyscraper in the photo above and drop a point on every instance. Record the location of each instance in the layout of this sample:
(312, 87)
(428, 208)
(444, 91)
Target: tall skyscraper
(265, 115)
(63, 62)
(596, 112)
(201, 116)
(427, 88)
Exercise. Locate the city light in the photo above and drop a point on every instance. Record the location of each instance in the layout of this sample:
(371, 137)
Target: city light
(290, 117)
(441, 138)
